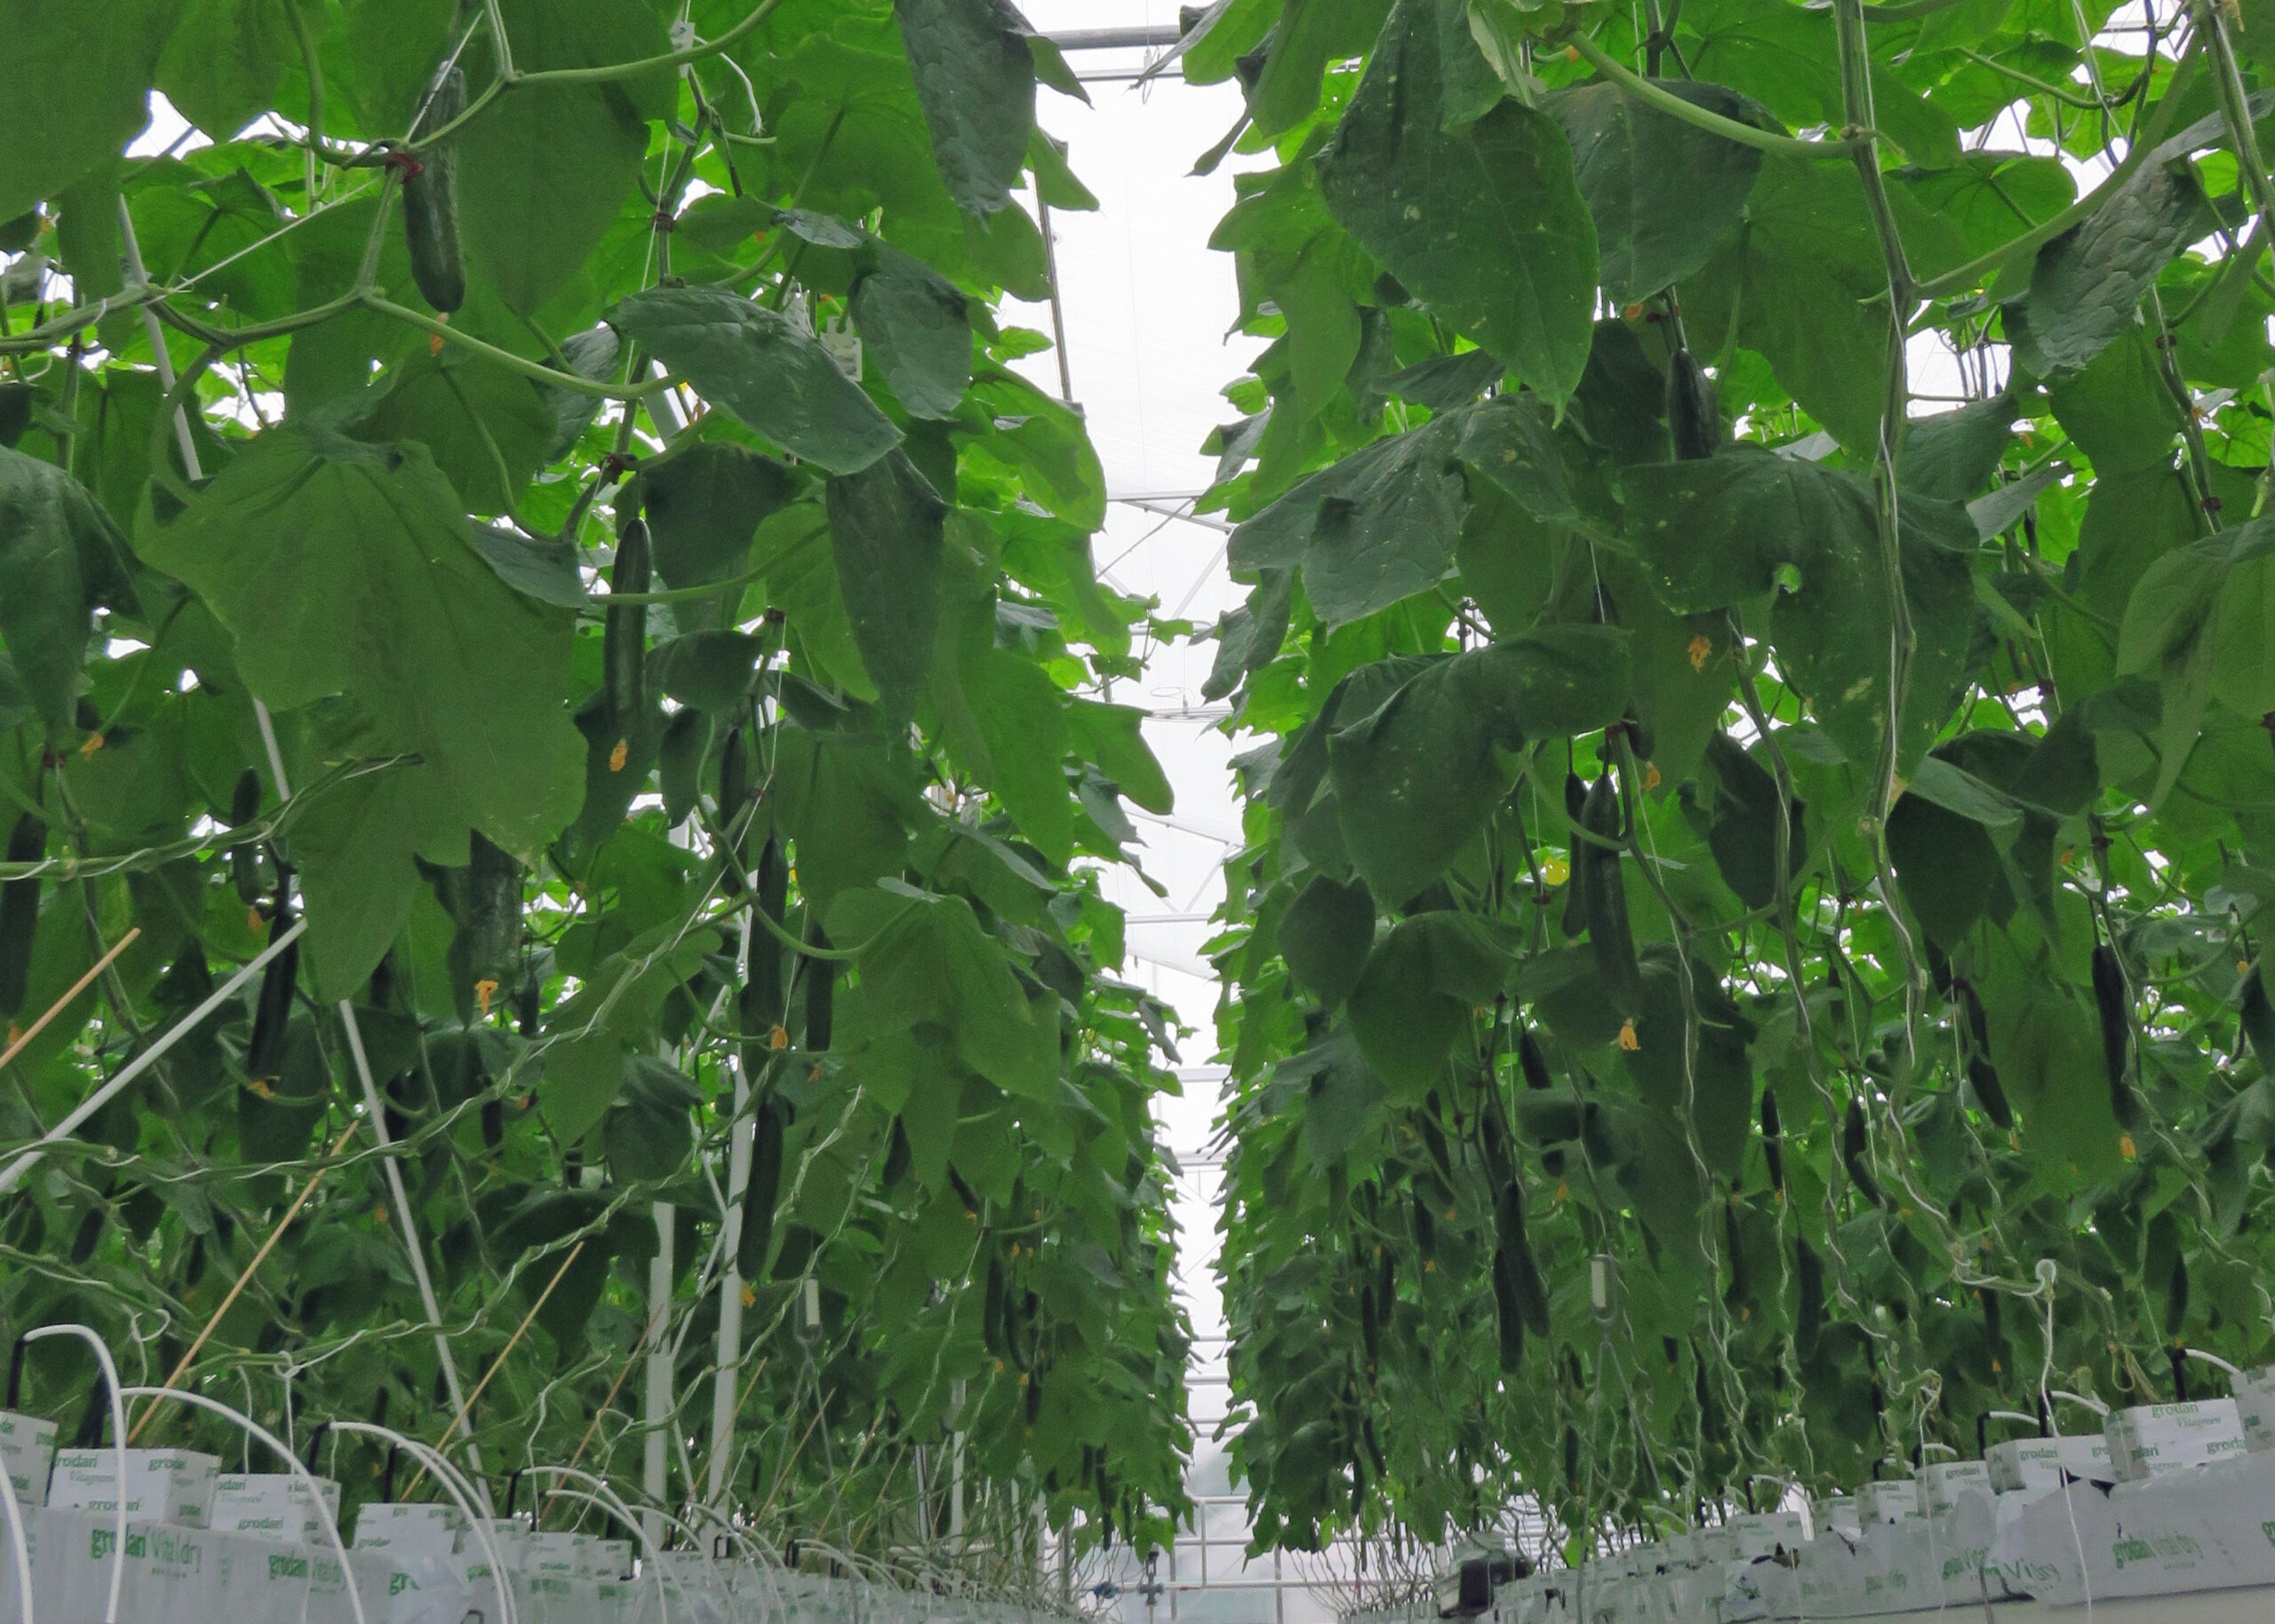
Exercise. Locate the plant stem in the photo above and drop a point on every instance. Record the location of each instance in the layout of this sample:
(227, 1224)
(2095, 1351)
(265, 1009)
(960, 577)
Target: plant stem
(1666, 102)
(536, 370)
(1855, 90)
(1978, 269)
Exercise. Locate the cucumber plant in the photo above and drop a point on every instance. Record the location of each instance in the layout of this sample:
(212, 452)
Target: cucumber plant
(442, 534)
(1753, 719)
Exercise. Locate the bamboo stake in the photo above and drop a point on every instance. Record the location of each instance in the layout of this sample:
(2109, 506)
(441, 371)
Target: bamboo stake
(77, 987)
(150, 1407)
(593, 1426)
(499, 1363)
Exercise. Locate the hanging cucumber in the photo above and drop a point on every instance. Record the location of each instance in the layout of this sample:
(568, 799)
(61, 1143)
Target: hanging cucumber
(1980, 1074)
(1508, 1318)
(20, 913)
(1369, 1324)
(1809, 1313)
(2114, 1001)
(623, 634)
(734, 775)
(1374, 1446)
(1524, 1273)
(1386, 1285)
(821, 978)
(1773, 1142)
(1034, 1380)
(898, 1155)
(991, 1307)
(761, 1006)
(2255, 1018)
(264, 1048)
(1694, 414)
(2176, 1300)
(244, 860)
(1856, 1152)
(430, 200)
(759, 1195)
(1426, 1231)
(1741, 1286)
(1581, 867)
(1530, 1060)
(1609, 935)
(1993, 1333)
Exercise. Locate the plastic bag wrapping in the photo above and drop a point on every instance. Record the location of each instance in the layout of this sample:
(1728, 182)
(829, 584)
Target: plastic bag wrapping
(177, 1575)
(2208, 1528)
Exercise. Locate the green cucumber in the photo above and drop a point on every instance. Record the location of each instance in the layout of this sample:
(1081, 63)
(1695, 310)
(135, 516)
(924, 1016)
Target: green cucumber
(20, 913)
(430, 201)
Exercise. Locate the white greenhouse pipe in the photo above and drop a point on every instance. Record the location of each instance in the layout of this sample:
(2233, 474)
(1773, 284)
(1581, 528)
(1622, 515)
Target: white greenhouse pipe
(255, 1429)
(16, 1540)
(456, 1486)
(29, 1158)
(118, 1447)
(2213, 1358)
(725, 1390)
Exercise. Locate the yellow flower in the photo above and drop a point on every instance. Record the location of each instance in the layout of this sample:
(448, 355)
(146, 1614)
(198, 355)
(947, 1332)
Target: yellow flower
(1702, 649)
(1628, 1040)
(94, 742)
(483, 991)
(1651, 777)
(1556, 869)
(750, 1298)
(777, 1039)
(2125, 1147)
(615, 757)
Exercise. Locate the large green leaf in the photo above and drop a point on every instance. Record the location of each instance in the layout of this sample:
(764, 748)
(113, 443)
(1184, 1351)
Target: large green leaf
(917, 325)
(342, 567)
(76, 95)
(764, 369)
(1385, 523)
(1413, 1001)
(221, 66)
(885, 527)
(484, 427)
(2087, 281)
(1483, 224)
(704, 504)
(1416, 780)
(1662, 191)
(1794, 285)
(1326, 935)
(543, 171)
(845, 801)
(974, 77)
(930, 979)
(1745, 523)
(49, 532)
(1021, 717)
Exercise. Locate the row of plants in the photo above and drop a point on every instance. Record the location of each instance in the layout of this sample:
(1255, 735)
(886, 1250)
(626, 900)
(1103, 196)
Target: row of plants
(528, 509)
(1753, 710)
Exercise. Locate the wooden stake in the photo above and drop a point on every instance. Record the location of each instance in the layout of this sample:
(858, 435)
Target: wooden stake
(499, 1363)
(258, 1258)
(77, 987)
(631, 1359)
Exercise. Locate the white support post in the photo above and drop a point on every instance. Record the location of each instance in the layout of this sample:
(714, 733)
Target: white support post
(727, 1388)
(658, 1407)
